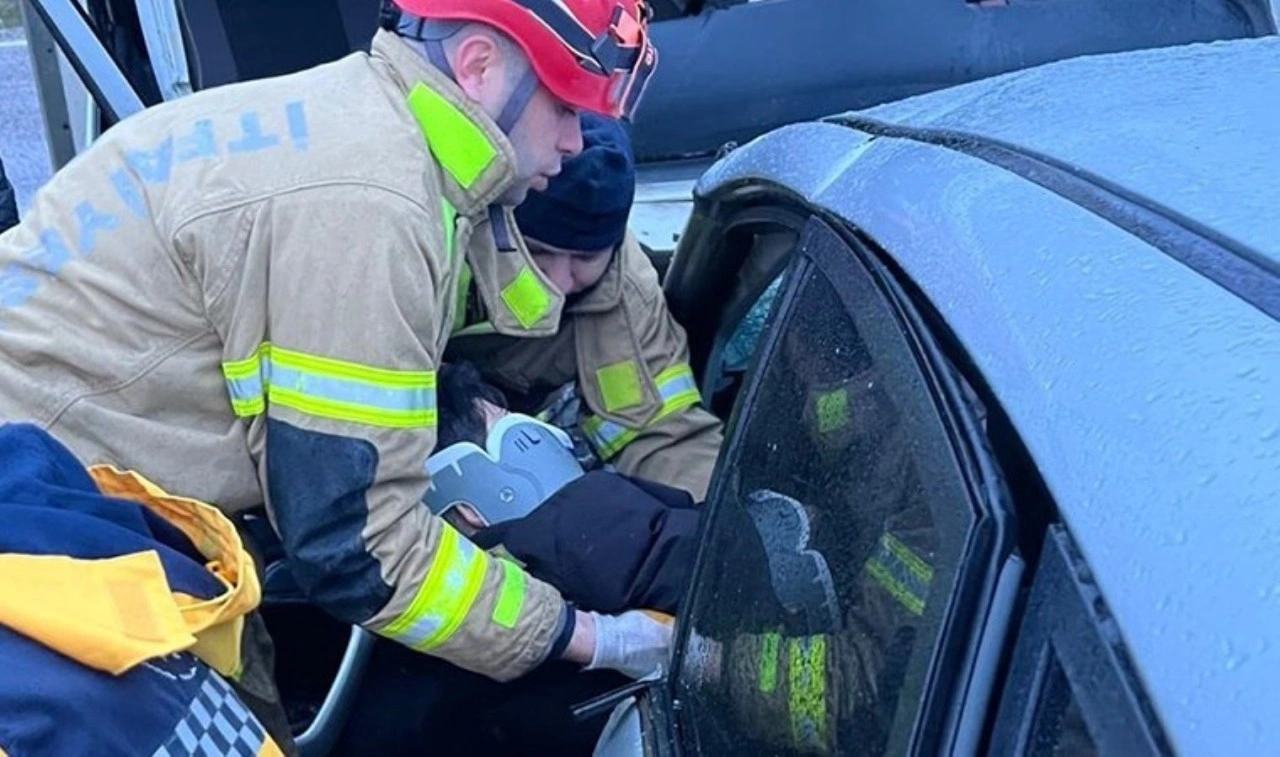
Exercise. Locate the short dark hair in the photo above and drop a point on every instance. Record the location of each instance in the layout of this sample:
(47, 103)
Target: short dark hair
(459, 389)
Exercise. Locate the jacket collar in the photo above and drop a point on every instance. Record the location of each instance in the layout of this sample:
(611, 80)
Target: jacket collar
(606, 295)
(476, 158)
(519, 300)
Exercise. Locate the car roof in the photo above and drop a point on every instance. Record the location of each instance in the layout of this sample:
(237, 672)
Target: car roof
(1192, 128)
(1147, 391)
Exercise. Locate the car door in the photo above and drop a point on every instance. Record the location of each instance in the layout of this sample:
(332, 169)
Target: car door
(857, 571)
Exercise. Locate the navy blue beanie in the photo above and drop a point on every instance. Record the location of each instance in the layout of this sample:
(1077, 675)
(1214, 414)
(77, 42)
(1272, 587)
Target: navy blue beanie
(585, 207)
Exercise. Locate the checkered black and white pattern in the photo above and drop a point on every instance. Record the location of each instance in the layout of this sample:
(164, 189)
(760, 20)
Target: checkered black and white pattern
(216, 725)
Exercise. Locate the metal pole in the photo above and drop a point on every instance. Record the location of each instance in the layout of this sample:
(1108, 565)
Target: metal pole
(65, 20)
(53, 97)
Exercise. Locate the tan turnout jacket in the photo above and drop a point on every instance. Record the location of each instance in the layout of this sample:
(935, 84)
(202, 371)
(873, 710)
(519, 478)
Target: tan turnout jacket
(244, 294)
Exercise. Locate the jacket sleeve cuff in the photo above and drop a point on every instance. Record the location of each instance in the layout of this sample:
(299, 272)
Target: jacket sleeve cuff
(568, 621)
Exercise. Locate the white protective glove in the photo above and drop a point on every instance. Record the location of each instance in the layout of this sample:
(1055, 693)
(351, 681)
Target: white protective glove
(632, 643)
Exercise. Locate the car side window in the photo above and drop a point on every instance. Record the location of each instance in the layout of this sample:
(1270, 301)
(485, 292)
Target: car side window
(837, 529)
(1059, 729)
(746, 338)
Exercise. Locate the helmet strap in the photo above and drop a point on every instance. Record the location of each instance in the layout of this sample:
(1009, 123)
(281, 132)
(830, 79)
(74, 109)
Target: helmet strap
(435, 53)
(518, 101)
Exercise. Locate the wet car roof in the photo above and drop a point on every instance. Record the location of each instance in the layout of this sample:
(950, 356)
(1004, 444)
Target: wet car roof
(1187, 127)
(1148, 393)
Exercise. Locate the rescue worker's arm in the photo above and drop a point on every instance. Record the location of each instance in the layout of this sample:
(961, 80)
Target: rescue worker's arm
(338, 379)
(679, 445)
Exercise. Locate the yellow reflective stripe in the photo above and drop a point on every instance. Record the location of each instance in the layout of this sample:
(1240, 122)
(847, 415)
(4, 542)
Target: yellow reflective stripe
(511, 597)
(351, 413)
(244, 384)
(807, 690)
(678, 391)
(329, 388)
(323, 366)
(526, 298)
(460, 146)
(450, 225)
(901, 573)
(769, 663)
(610, 438)
(446, 596)
(249, 366)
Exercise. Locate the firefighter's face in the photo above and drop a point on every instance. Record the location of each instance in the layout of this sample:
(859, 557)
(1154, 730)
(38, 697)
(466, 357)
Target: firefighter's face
(547, 131)
(572, 271)
(546, 134)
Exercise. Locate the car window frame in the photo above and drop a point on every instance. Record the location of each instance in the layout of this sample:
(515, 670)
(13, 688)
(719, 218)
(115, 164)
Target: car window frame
(988, 546)
(1067, 626)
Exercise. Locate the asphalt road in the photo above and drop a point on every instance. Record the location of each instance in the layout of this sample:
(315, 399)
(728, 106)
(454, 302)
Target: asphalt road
(22, 145)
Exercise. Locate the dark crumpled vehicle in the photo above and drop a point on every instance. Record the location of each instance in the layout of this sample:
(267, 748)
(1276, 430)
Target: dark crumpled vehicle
(1022, 449)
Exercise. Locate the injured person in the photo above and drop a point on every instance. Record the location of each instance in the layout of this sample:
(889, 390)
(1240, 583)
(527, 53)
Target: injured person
(608, 542)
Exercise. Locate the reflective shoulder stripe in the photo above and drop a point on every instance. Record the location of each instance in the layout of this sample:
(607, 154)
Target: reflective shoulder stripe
(333, 389)
(445, 597)
(460, 146)
(901, 572)
(526, 298)
(679, 392)
(807, 691)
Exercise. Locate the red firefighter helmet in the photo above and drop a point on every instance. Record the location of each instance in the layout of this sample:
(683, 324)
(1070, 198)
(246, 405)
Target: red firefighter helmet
(592, 54)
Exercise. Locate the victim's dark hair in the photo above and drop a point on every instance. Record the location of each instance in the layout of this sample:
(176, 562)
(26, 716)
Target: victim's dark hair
(459, 388)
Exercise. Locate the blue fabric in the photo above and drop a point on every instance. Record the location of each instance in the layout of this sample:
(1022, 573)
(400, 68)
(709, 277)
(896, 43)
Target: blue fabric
(317, 484)
(50, 506)
(52, 706)
(585, 208)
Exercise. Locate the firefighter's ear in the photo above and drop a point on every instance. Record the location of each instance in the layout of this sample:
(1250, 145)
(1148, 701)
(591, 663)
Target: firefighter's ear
(482, 69)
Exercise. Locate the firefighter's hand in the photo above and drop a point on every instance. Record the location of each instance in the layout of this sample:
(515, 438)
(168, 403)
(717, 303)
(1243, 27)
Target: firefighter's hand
(633, 643)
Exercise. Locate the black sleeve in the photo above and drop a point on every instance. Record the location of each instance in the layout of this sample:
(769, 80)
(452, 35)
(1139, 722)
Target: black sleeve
(607, 544)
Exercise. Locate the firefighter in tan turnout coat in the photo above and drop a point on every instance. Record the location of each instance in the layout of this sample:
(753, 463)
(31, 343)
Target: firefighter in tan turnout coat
(617, 341)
